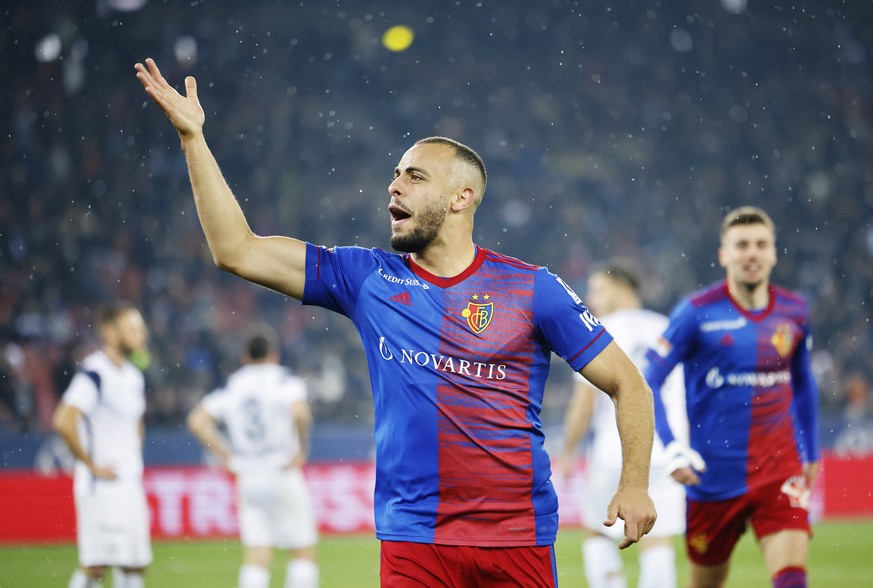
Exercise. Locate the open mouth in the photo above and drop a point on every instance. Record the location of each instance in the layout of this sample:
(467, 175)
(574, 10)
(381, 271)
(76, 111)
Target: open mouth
(398, 214)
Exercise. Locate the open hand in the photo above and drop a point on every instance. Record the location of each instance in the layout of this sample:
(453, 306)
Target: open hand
(184, 112)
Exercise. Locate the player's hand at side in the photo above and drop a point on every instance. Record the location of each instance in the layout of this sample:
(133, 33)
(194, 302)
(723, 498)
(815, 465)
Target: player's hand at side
(103, 472)
(636, 509)
(684, 463)
(297, 461)
(565, 463)
(184, 112)
(810, 470)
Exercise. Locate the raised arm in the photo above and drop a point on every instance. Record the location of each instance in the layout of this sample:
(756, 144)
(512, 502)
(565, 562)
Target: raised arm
(613, 372)
(275, 262)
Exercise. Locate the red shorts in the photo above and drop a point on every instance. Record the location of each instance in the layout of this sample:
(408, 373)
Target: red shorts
(714, 528)
(406, 565)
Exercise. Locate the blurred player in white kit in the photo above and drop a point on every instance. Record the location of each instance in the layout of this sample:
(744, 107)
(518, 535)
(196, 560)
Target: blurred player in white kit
(265, 413)
(613, 295)
(100, 418)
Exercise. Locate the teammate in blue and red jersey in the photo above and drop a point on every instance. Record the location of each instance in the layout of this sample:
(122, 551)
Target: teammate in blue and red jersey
(458, 341)
(752, 408)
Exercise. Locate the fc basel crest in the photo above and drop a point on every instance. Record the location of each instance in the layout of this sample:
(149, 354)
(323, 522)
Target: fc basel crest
(478, 314)
(699, 543)
(783, 339)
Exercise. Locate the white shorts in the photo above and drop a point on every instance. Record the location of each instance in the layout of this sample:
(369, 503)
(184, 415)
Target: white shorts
(275, 510)
(112, 524)
(667, 494)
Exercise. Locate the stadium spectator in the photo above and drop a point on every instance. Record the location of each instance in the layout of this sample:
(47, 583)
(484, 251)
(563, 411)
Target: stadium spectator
(100, 418)
(458, 340)
(265, 412)
(614, 296)
(752, 405)
(15, 398)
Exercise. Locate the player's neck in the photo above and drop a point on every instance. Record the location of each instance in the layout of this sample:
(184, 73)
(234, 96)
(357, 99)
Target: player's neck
(115, 355)
(444, 260)
(750, 296)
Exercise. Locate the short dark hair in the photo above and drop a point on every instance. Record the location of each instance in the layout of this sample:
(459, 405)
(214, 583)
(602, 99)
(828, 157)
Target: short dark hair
(462, 152)
(261, 341)
(623, 271)
(110, 313)
(746, 215)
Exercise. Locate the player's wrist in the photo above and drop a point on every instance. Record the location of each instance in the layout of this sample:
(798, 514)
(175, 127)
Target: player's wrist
(680, 455)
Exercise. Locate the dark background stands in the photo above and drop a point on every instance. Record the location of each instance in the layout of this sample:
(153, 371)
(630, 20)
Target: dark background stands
(608, 128)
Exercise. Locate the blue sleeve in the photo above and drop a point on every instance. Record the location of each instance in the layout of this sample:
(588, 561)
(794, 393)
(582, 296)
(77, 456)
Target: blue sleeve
(671, 349)
(334, 276)
(805, 398)
(565, 323)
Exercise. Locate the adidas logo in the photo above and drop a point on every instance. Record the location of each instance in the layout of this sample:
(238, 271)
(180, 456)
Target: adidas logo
(402, 298)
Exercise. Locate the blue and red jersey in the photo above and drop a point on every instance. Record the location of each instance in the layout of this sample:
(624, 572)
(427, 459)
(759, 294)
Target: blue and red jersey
(458, 368)
(751, 397)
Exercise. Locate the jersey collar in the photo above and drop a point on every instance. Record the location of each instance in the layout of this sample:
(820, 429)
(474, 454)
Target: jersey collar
(441, 282)
(753, 315)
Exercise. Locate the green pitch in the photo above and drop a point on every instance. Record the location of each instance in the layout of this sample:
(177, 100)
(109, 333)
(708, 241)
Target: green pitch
(840, 557)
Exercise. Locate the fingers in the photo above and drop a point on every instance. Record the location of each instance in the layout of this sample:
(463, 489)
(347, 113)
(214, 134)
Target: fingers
(631, 535)
(635, 529)
(611, 514)
(191, 88)
(150, 77)
(147, 78)
(686, 476)
(184, 112)
(637, 512)
(156, 74)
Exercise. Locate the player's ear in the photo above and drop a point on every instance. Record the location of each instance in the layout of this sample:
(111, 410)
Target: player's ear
(464, 198)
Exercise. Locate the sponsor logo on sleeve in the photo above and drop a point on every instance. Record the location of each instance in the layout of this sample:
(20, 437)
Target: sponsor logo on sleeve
(569, 291)
(589, 320)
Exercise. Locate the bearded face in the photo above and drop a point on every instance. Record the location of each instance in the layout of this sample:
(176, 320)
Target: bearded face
(428, 223)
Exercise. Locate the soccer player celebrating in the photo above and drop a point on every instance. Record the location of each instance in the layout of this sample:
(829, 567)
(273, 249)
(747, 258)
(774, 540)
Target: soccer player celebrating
(752, 408)
(614, 296)
(265, 412)
(100, 420)
(458, 341)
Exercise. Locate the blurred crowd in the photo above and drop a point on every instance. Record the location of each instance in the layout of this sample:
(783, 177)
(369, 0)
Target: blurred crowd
(608, 129)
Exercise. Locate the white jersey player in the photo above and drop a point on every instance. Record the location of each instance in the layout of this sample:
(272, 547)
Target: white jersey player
(613, 296)
(100, 418)
(264, 411)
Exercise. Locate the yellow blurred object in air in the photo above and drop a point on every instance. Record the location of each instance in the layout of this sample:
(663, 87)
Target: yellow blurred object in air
(398, 38)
